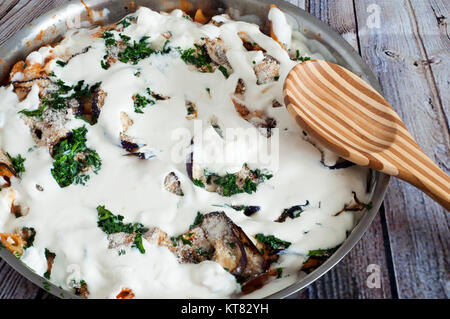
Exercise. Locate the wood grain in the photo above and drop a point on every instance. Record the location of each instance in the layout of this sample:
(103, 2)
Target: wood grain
(410, 240)
(348, 116)
(417, 227)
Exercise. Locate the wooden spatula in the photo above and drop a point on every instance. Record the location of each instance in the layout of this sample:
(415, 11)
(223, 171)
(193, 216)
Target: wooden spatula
(350, 118)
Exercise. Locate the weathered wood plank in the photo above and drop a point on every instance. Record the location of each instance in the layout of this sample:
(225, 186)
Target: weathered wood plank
(339, 15)
(304, 4)
(19, 13)
(13, 285)
(348, 278)
(418, 228)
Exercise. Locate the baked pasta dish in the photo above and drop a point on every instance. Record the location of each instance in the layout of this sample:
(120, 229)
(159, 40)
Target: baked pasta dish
(154, 158)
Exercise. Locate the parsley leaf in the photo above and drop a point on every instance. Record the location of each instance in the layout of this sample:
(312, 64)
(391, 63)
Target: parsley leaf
(72, 157)
(198, 220)
(272, 241)
(301, 58)
(17, 163)
(111, 224)
(140, 102)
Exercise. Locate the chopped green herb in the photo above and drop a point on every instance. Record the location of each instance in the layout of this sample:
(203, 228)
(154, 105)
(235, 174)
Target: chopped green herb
(224, 71)
(46, 285)
(34, 113)
(140, 102)
(196, 56)
(58, 100)
(182, 239)
(137, 243)
(111, 224)
(232, 245)
(136, 52)
(104, 65)
(301, 58)
(108, 36)
(198, 182)
(72, 157)
(124, 38)
(320, 252)
(279, 272)
(198, 220)
(17, 163)
(272, 241)
(369, 206)
(125, 22)
(61, 63)
(276, 78)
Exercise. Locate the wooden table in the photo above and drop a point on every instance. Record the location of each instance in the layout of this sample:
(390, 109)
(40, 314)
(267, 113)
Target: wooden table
(410, 53)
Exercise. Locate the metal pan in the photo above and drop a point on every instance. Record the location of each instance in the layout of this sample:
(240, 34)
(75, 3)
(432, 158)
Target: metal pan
(55, 23)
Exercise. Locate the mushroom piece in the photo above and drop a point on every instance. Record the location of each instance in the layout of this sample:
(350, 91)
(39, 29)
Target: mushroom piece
(267, 70)
(172, 184)
(263, 123)
(217, 51)
(22, 88)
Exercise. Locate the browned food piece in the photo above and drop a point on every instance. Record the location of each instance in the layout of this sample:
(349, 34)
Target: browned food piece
(200, 17)
(126, 293)
(13, 242)
(117, 240)
(28, 234)
(129, 144)
(257, 282)
(262, 122)
(6, 169)
(172, 184)
(219, 23)
(192, 111)
(272, 33)
(292, 212)
(240, 89)
(232, 248)
(82, 290)
(22, 88)
(317, 258)
(18, 211)
(276, 104)
(50, 257)
(267, 70)
(126, 121)
(89, 107)
(50, 129)
(248, 43)
(354, 205)
(217, 51)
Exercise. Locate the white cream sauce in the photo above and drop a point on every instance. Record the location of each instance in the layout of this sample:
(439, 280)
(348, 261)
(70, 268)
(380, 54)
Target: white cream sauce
(65, 219)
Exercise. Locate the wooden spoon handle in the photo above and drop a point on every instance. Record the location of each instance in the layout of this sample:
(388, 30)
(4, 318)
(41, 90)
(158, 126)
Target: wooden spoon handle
(416, 168)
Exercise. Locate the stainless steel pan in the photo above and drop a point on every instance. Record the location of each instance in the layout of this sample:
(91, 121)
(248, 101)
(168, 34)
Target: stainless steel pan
(55, 24)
